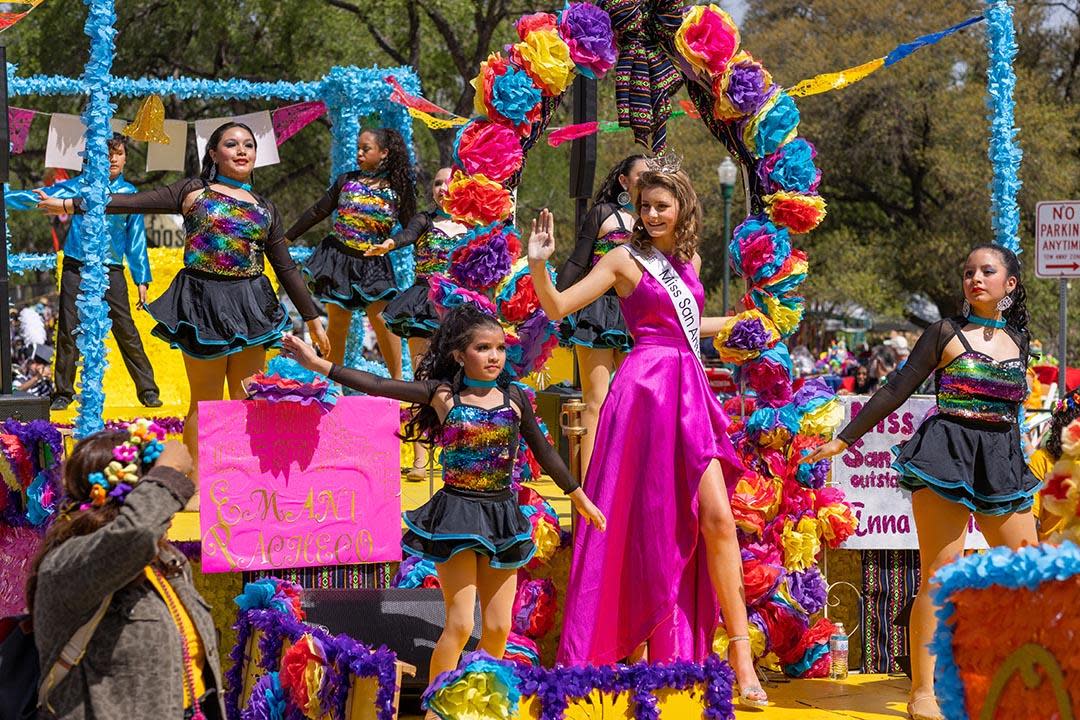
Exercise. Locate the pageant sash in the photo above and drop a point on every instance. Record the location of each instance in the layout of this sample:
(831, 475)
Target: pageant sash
(686, 307)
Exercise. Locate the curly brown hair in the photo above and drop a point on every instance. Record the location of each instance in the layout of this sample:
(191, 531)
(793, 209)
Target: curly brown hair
(688, 224)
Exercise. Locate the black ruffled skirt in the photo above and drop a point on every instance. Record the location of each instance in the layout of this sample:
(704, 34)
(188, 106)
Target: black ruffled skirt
(207, 316)
(346, 277)
(979, 465)
(599, 325)
(412, 314)
(455, 519)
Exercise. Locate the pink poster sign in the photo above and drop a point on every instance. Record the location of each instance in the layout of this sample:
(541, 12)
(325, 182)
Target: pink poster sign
(18, 545)
(284, 485)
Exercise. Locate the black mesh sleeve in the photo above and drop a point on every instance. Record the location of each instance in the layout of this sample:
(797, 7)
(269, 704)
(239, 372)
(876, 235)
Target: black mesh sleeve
(420, 224)
(419, 392)
(288, 274)
(545, 454)
(167, 199)
(577, 265)
(924, 359)
(317, 212)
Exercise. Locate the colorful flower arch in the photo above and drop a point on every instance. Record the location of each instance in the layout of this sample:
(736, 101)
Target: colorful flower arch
(783, 510)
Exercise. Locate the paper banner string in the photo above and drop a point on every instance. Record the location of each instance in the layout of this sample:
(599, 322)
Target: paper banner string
(149, 122)
(291, 119)
(843, 78)
(413, 102)
(558, 136)
(7, 19)
(436, 123)
(19, 121)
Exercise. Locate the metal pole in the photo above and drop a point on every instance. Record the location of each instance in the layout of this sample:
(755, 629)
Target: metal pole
(1063, 326)
(5, 291)
(727, 191)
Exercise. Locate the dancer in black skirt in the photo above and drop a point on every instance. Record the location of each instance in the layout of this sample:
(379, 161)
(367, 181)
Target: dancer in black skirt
(472, 529)
(220, 310)
(598, 332)
(967, 458)
(349, 270)
(412, 315)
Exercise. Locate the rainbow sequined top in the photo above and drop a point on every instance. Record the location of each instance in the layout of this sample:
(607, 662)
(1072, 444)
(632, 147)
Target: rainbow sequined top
(365, 215)
(225, 236)
(433, 250)
(974, 386)
(606, 244)
(479, 445)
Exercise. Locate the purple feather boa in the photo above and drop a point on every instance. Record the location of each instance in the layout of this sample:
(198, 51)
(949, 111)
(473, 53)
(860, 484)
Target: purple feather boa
(344, 657)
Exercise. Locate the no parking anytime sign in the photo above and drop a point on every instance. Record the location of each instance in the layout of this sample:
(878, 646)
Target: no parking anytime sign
(1057, 239)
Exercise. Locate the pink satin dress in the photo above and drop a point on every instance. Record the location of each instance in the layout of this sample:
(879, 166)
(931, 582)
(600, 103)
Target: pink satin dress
(646, 578)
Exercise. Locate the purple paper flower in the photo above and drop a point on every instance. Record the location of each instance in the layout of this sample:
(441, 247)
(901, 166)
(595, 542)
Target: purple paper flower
(748, 335)
(484, 261)
(586, 29)
(808, 589)
(748, 87)
(813, 389)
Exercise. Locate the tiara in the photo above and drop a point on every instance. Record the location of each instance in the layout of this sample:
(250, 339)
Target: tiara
(666, 162)
(116, 480)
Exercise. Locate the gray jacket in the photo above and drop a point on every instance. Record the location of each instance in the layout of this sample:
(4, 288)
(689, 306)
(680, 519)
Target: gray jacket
(132, 668)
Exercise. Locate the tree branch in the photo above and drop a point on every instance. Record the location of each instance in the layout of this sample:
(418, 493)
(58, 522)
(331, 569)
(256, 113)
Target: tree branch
(381, 40)
(461, 63)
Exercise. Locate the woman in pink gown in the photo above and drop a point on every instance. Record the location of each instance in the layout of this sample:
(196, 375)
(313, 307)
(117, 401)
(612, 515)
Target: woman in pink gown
(663, 462)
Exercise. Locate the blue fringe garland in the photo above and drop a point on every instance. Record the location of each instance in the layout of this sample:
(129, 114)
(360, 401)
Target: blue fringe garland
(1027, 568)
(349, 93)
(1004, 153)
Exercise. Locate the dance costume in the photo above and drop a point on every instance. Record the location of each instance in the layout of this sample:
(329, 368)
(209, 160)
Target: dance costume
(477, 508)
(221, 302)
(412, 314)
(646, 577)
(364, 216)
(969, 452)
(600, 324)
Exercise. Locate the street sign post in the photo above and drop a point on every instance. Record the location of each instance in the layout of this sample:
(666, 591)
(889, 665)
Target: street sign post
(1057, 255)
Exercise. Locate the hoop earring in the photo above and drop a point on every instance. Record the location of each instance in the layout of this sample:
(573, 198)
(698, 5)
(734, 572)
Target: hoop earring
(1005, 303)
(624, 198)
(966, 309)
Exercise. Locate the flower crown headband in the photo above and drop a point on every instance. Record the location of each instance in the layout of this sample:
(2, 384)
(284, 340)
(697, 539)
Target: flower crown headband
(116, 480)
(1069, 402)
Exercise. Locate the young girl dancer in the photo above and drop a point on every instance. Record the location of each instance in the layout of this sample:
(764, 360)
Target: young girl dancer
(472, 529)
(598, 332)
(968, 455)
(220, 310)
(411, 315)
(672, 531)
(349, 270)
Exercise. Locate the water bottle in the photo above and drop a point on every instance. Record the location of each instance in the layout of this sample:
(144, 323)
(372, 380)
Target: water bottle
(838, 653)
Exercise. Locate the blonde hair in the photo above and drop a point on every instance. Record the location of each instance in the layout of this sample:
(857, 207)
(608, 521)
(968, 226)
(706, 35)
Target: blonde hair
(688, 223)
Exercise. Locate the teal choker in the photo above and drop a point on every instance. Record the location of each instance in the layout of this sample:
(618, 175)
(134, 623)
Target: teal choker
(232, 183)
(472, 382)
(986, 322)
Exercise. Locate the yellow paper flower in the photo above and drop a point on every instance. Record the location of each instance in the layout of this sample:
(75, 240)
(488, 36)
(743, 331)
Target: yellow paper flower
(1070, 439)
(546, 58)
(786, 319)
(833, 518)
(801, 543)
(546, 538)
(721, 641)
(751, 332)
(313, 678)
(824, 420)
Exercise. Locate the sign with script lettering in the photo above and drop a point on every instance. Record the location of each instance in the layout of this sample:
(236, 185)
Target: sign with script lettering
(864, 472)
(284, 485)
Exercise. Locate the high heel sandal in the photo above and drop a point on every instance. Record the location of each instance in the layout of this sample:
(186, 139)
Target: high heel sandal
(924, 707)
(745, 693)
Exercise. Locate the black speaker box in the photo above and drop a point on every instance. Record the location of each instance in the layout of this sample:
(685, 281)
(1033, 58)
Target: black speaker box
(408, 622)
(23, 407)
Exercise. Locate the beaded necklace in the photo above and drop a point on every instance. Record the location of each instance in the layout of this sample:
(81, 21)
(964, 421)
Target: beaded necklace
(185, 650)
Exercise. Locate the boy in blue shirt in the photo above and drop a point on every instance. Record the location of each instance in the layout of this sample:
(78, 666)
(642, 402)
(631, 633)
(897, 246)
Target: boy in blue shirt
(127, 239)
